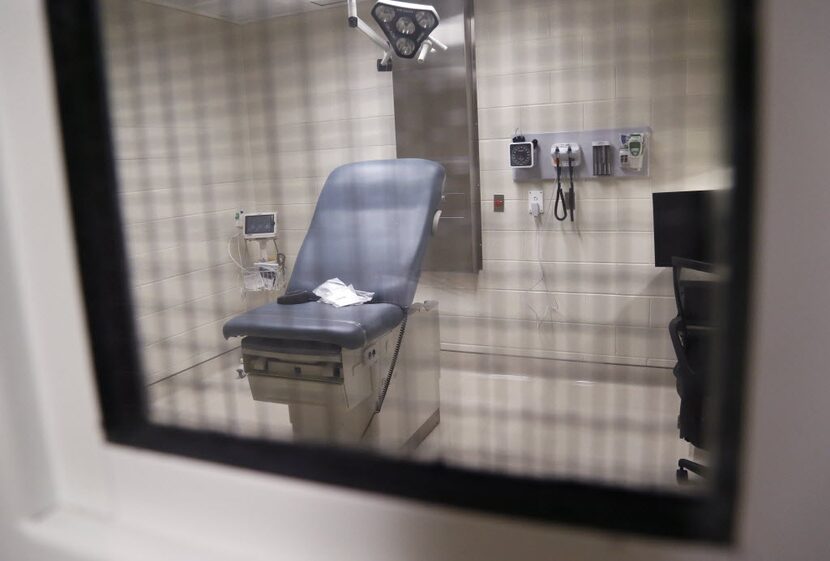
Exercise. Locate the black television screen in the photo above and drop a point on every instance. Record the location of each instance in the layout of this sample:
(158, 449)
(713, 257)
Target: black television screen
(683, 223)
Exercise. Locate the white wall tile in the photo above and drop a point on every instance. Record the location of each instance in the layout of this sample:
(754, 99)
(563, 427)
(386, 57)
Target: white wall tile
(192, 199)
(317, 163)
(515, 89)
(191, 315)
(309, 107)
(592, 215)
(687, 112)
(707, 10)
(168, 293)
(650, 12)
(294, 216)
(323, 135)
(618, 113)
(663, 310)
(591, 247)
(529, 303)
(705, 77)
(517, 334)
(644, 342)
(651, 78)
(180, 259)
(619, 188)
(494, 154)
(582, 84)
(501, 182)
(552, 118)
(577, 278)
(499, 122)
(617, 43)
(521, 55)
(688, 40)
(635, 215)
(283, 190)
(145, 237)
(585, 16)
(185, 350)
(507, 20)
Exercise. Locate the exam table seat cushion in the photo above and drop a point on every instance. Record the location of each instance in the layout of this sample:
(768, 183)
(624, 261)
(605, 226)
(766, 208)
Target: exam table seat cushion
(351, 327)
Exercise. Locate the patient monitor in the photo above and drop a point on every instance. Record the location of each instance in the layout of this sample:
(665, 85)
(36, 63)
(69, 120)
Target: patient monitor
(364, 374)
(260, 226)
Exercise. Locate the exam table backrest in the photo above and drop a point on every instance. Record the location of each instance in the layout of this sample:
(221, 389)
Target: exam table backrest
(371, 228)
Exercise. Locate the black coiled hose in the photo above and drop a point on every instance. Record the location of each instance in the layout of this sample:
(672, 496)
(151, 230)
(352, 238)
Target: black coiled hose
(388, 380)
(560, 194)
(571, 196)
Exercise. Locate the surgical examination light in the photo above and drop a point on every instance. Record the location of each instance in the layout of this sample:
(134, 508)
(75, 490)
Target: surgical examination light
(407, 26)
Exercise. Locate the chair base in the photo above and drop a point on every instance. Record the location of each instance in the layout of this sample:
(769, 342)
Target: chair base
(332, 394)
(686, 466)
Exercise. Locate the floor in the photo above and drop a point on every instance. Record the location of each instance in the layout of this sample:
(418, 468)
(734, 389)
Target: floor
(594, 422)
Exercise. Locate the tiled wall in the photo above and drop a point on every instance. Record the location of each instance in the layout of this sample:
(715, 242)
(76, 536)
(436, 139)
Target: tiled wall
(586, 290)
(210, 117)
(315, 101)
(291, 98)
(181, 139)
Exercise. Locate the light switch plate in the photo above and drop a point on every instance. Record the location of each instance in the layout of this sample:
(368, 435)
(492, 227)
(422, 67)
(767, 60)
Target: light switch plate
(536, 197)
(498, 203)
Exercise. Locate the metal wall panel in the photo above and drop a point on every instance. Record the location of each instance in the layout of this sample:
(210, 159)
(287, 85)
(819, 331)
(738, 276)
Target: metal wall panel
(436, 117)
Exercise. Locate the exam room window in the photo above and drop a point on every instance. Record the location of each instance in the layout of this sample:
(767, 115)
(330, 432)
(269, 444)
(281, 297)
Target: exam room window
(229, 160)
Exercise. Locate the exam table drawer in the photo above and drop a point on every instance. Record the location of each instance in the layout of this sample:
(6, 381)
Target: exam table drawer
(292, 391)
(329, 372)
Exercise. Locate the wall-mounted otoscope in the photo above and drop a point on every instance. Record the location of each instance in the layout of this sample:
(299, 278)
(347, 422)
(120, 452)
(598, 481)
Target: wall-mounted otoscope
(407, 26)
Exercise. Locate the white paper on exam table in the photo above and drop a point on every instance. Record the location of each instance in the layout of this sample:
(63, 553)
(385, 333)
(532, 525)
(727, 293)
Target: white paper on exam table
(339, 294)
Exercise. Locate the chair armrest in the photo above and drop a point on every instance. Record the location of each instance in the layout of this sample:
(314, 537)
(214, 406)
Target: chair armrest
(675, 326)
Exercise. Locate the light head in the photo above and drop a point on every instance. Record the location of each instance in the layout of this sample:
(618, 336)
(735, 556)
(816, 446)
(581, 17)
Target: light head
(406, 25)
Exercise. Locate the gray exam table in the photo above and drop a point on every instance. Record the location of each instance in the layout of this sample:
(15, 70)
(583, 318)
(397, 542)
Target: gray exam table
(331, 366)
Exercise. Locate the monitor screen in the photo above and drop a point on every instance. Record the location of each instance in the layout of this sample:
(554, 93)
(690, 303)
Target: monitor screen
(259, 224)
(683, 222)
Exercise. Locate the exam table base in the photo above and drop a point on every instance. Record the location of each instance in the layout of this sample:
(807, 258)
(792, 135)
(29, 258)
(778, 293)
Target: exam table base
(332, 398)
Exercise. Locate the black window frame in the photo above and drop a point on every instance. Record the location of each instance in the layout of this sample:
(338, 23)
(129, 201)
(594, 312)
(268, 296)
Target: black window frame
(88, 151)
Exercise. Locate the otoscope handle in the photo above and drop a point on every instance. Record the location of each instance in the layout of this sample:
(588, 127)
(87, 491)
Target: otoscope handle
(571, 194)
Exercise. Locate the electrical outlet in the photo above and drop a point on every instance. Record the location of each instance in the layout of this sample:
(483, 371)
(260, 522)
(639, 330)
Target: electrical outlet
(535, 198)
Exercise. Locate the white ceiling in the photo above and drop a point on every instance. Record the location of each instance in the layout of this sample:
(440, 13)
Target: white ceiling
(246, 11)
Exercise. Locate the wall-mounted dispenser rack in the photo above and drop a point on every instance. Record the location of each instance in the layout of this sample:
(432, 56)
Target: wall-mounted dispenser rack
(603, 153)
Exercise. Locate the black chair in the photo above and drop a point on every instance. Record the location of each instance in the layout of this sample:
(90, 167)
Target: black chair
(693, 334)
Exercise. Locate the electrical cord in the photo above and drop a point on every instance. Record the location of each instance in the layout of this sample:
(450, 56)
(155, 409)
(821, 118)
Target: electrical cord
(280, 258)
(388, 379)
(560, 194)
(238, 251)
(550, 309)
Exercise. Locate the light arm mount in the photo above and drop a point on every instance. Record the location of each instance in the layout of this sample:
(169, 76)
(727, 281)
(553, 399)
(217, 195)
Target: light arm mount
(430, 45)
(385, 63)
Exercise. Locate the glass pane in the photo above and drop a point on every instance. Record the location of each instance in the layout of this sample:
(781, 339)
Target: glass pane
(581, 149)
